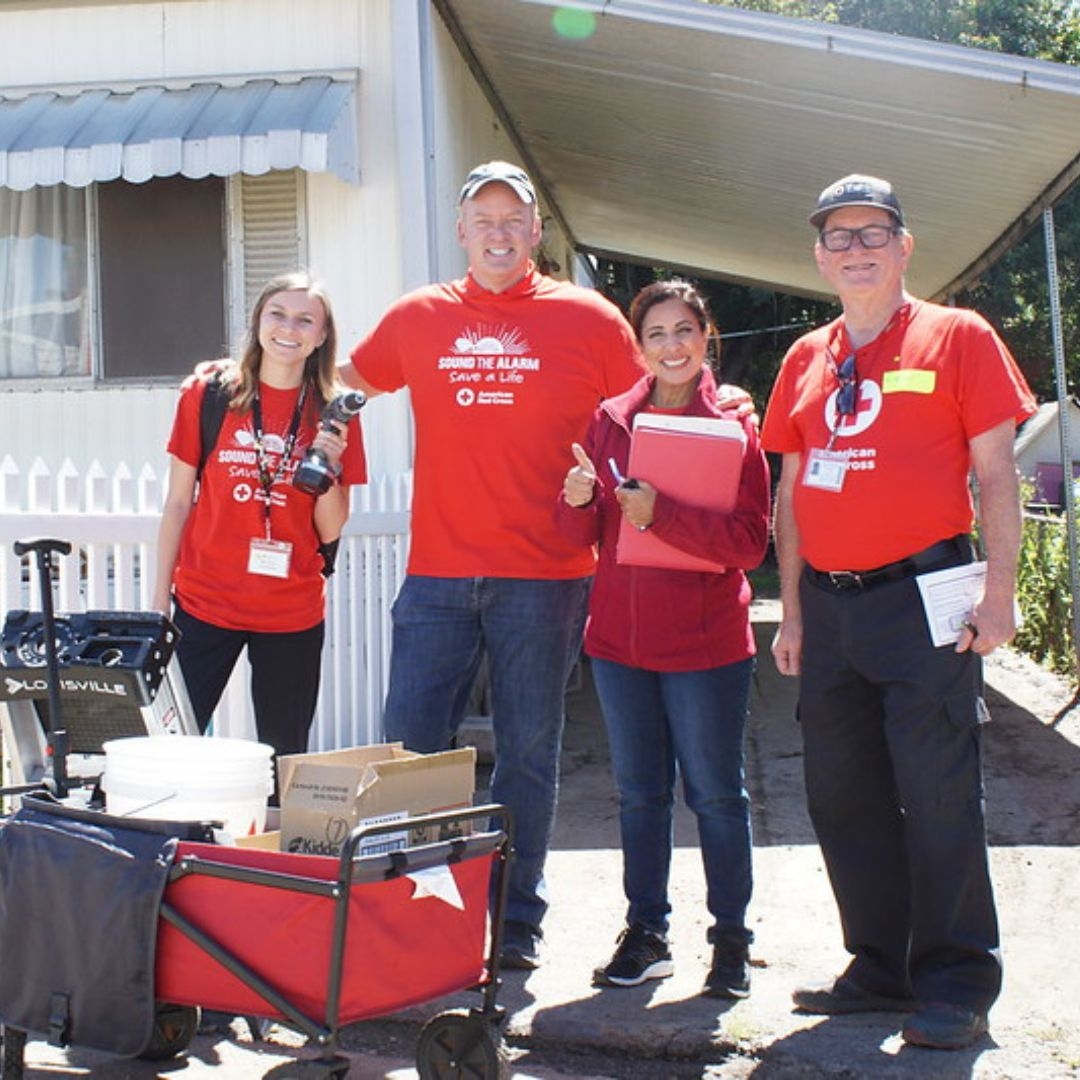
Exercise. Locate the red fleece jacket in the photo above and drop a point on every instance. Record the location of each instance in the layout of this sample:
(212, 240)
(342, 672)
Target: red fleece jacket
(670, 620)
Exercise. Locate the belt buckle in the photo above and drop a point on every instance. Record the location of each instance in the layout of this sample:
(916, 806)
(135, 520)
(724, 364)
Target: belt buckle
(845, 579)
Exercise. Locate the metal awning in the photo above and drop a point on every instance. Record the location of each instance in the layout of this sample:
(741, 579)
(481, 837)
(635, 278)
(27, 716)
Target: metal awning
(206, 129)
(694, 135)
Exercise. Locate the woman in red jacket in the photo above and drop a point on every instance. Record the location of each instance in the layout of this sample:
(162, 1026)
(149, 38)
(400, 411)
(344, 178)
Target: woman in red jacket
(672, 650)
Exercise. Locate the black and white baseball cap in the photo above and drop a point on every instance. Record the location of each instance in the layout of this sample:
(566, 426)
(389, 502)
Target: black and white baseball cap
(857, 190)
(505, 173)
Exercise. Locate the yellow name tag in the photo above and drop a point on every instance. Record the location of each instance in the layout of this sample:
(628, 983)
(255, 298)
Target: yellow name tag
(911, 380)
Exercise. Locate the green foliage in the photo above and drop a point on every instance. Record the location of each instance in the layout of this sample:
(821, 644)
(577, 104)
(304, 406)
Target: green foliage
(1046, 29)
(1015, 296)
(1043, 592)
(765, 580)
(757, 325)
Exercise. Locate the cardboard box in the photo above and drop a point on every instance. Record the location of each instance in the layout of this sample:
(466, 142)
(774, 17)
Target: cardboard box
(270, 840)
(324, 796)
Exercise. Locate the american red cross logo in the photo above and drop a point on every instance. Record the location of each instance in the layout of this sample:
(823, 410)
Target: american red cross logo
(866, 410)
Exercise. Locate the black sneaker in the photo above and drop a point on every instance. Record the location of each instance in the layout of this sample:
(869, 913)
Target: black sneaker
(639, 955)
(729, 976)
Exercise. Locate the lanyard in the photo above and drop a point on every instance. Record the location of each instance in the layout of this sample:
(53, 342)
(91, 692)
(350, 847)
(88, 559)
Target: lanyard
(901, 317)
(847, 395)
(267, 479)
(846, 372)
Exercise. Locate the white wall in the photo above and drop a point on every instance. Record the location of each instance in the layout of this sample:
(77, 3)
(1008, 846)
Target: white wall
(128, 424)
(423, 123)
(353, 232)
(78, 43)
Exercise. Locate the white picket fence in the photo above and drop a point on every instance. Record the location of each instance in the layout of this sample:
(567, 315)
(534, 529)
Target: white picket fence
(112, 523)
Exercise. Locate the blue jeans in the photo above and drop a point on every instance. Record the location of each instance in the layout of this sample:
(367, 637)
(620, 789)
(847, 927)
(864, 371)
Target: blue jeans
(531, 631)
(661, 724)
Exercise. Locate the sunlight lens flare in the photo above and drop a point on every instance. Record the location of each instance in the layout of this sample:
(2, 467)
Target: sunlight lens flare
(573, 23)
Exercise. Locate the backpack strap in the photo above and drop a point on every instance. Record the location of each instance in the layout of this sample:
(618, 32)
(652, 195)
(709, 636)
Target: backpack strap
(215, 402)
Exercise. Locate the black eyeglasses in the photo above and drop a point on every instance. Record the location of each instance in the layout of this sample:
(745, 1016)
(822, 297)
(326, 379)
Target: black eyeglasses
(870, 236)
(847, 397)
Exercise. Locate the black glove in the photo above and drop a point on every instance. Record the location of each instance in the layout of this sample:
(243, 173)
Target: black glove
(329, 551)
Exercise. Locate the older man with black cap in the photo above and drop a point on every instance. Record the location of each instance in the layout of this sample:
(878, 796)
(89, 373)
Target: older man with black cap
(880, 417)
(505, 368)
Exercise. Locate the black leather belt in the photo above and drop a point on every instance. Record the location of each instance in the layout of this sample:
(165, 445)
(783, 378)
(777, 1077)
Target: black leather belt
(953, 552)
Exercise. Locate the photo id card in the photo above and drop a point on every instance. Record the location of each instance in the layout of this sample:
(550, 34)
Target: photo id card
(269, 558)
(825, 470)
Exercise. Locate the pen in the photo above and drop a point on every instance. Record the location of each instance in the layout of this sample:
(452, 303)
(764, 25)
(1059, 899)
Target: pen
(621, 480)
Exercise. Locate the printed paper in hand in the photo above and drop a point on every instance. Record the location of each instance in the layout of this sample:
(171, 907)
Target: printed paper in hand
(948, 596)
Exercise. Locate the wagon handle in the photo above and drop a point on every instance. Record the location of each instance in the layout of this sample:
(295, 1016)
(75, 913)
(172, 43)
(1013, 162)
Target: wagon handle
(58, 741)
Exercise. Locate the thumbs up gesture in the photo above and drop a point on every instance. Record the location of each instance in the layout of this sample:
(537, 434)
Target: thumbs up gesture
(580, 483)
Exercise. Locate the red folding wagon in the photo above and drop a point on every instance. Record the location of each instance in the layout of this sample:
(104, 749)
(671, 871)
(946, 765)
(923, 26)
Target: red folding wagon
(320, 942)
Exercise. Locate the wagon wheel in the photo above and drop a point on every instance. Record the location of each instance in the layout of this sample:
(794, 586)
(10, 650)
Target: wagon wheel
(459, 1045)
(11, 1065)
(174, 1028)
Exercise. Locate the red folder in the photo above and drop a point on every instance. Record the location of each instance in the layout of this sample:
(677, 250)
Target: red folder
(696, 460)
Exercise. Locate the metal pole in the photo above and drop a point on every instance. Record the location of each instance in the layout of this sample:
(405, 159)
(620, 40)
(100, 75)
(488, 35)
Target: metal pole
(1063, 424)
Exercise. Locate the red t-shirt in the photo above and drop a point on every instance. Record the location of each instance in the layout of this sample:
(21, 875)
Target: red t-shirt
(930, 382)
(211, 579)
(501, 385)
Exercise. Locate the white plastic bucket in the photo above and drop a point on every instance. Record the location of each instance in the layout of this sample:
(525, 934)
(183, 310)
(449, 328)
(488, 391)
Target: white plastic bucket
(189, 778)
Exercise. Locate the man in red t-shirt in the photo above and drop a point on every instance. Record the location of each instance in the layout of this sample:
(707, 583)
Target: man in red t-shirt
(880, 417)
(505, 368)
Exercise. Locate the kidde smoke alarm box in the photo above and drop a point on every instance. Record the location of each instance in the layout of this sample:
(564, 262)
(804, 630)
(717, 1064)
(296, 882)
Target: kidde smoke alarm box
(324, 796)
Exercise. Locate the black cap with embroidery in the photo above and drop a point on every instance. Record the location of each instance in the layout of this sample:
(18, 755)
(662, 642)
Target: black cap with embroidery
(857, 190)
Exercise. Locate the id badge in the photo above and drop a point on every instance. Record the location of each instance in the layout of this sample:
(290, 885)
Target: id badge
(269, 558)
(825, 470)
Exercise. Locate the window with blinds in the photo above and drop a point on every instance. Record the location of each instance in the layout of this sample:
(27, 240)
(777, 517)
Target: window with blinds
(133, 281)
